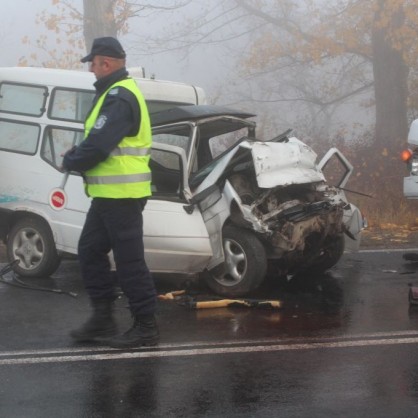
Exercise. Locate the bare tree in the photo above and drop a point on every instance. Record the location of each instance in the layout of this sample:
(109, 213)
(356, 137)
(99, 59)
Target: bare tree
(77, 28)
(98, 20)
(390, 75)
(370, 44)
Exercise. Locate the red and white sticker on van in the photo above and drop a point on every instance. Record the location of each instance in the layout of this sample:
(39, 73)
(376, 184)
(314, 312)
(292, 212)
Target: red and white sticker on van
(57, 199)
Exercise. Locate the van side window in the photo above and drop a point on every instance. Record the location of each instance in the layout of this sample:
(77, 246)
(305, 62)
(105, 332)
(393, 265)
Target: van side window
(71, 105)
(19, 137)
(23, 99)
(57, 141)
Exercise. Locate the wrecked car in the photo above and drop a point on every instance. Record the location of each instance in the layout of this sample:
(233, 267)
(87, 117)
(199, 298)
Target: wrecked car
(225, 206)
(263, 204)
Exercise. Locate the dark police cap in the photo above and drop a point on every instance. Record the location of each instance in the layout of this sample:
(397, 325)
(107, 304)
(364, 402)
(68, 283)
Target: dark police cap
(107, 47)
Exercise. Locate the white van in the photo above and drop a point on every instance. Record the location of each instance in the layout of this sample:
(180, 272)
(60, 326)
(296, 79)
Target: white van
(42, 113)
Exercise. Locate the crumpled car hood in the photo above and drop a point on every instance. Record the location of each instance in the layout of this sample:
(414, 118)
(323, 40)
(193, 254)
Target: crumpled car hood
(281, 164)
(275, 163)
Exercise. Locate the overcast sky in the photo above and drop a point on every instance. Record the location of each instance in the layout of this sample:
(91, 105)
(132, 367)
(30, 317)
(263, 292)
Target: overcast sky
(18, 20)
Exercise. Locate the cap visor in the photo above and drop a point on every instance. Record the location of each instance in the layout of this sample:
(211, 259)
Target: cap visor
(87, 58)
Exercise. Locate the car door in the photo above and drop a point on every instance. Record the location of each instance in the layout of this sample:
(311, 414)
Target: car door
(175, 236)
(337, 170)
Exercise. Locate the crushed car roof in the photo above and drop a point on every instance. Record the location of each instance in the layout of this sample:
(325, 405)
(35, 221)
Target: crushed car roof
(194, 112)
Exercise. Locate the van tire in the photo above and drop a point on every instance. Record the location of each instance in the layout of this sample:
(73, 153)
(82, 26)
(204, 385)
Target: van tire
(30, 241)
(245, 264)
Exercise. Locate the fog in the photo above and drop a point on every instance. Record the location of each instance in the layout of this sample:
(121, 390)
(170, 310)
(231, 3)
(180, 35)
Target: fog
(212, 66)
(285, 93)
(19, 19)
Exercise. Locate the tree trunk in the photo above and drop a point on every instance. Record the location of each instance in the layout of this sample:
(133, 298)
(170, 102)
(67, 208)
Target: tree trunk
(99, 20)
(391, 86)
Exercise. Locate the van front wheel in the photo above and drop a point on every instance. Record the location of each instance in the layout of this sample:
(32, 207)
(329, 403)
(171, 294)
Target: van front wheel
(31, 242)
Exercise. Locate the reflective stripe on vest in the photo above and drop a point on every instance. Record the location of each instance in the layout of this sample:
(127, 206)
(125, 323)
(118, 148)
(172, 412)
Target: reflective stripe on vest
(125, 173)
(125, 178)
(117, 152)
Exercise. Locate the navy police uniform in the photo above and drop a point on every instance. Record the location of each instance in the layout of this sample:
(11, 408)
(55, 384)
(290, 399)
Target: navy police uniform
(113, 223)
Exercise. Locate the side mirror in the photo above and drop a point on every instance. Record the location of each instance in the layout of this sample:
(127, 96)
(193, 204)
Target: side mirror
(205, 199)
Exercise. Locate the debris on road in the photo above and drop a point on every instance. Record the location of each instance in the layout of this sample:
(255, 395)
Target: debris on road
(191, 302)
(15, 282)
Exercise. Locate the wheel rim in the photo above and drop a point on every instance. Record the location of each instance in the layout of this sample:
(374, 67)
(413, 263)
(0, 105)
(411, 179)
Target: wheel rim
(28, 246)
(235, 264)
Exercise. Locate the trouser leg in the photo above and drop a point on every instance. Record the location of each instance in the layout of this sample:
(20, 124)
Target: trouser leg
(118, 224)
(94, 245)
(135, 278)
(124, 223)
(93, 248)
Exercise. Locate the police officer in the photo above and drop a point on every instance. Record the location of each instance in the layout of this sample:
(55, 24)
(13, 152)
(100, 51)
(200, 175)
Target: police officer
(113, 159)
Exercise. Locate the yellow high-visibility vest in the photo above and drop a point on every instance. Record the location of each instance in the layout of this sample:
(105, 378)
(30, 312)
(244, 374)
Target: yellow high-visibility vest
(125, 173)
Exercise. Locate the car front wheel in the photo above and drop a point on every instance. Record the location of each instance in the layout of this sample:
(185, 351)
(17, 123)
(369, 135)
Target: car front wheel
(244, 267)
(331, 253)
(31, 242)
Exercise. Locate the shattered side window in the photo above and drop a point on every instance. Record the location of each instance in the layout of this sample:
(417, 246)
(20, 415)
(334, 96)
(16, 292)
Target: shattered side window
(211, 148)
(180, 136)
(224, 142)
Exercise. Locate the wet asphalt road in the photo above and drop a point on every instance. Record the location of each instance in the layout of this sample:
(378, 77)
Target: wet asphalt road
(344, 344)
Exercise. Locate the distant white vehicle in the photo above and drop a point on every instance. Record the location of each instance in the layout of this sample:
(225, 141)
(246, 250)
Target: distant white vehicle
(410, 157)
(225, 217)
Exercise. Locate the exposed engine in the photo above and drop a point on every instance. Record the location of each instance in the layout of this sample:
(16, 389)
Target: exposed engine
(291, 216)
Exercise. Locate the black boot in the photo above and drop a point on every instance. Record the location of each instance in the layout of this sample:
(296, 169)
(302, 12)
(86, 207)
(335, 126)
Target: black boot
(100, 325)
(144, 331)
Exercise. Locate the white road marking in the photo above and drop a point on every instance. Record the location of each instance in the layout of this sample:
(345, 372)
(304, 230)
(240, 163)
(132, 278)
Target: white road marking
(385, 250)
(229, 347)
(88, 348)
(87, 353)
